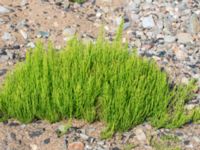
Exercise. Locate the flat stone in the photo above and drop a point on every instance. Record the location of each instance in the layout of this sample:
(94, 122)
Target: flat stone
(43, 34)
(126, 25)
(33, 147)
(84, 137)
(194, 26)
(148, 22)
(4, 10)
(184, 38)
(76, 146)
(169, 39)
(36, 133)
(6, 36)
(69, 31)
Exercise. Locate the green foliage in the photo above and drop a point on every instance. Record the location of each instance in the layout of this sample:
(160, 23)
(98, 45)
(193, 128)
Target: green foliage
(78, 1)
(96, 81)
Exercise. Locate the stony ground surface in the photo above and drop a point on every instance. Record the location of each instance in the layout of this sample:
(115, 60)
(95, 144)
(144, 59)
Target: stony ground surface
(165, 30)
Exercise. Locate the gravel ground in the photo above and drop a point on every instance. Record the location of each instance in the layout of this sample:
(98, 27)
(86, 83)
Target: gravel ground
(166, 30)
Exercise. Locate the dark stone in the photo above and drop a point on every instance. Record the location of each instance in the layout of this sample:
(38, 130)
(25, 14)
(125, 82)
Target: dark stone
(116, 148)
(2, 72)
(36, 133)
(161, 53)
(16, 47)
(179, 133)
(47, 141)
(5, 122)
(13, 124)
(13, 135)
(186, 142)
(91, 140)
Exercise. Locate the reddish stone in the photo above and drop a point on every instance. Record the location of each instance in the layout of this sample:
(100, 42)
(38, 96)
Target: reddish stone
(76, 146)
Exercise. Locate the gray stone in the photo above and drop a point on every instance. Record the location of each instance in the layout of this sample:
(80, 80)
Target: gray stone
(4, 10)
(149, 1)
(84, 137)
(184, 38)
(1, 21)
(10, 54)
(126, 25)
(169, 39)
(24, 2)
(69, 31)
(148, 22)
(194, 26)
(36, 133)
(133, 6)
(43, 34)
(6, 36)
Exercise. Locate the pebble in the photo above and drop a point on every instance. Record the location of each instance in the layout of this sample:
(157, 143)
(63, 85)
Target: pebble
(13, 136)
(6, 36)
(84, 137)
(1, 21)
(140, 135)
(24, 34)
(184, 38)
(4, 10)
(116, 148)
(30, 45)
(47, 141)
(169, 39)
(194, 25)
(36, 133)
(69, 31)
(2, 71)
(148, 22)
(43, 34)
(33, 147)
(76, 146)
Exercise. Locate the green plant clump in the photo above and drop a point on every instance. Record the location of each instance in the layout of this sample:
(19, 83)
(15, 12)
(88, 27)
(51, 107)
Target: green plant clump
(96, 81)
